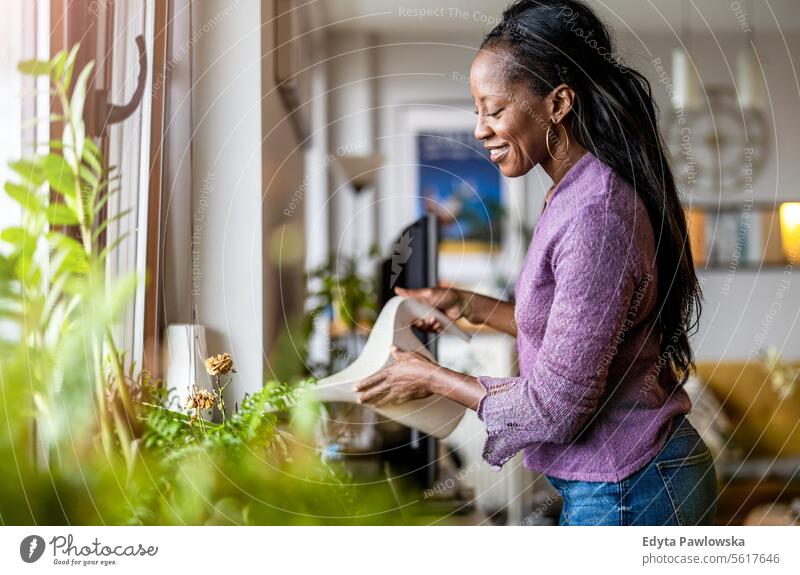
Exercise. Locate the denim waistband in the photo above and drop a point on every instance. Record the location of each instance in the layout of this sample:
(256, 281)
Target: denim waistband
(681, 425)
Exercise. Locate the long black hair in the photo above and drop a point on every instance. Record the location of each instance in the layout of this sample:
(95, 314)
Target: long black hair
(550, 42)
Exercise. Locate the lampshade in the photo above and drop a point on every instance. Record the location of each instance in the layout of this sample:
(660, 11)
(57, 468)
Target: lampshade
(749, 81)
(790, 231)
(685, 83)
(361, 171)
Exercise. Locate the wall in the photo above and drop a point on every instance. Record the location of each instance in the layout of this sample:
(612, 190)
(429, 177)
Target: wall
(282, 158)
(246, 165)
(176, 205)
(352, 75)
(226, 176)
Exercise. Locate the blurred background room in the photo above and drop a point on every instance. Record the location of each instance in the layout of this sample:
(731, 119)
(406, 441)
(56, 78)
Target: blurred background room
(285, 164)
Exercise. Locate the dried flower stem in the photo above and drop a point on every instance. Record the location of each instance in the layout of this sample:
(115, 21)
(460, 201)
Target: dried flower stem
(221, 401)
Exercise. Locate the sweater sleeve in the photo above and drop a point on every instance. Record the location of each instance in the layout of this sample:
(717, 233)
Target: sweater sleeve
(595, 266)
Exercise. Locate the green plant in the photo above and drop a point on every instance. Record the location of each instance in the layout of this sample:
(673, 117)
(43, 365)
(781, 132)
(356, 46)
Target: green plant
(351, 298)
(342, 287)
(61, 282)
(254, 425)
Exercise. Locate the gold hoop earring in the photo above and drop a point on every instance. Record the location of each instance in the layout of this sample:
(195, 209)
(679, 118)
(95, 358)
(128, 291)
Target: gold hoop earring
(547, 142)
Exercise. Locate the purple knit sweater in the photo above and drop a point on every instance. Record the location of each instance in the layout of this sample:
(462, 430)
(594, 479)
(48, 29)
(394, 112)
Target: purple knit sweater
(594, 400)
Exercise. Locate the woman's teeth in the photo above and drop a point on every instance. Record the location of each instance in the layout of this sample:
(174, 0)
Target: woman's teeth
(496, 154)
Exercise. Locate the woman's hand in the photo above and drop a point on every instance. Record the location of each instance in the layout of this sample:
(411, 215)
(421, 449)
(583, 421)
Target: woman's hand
(457, 303)
(406, 379)
(450, 301)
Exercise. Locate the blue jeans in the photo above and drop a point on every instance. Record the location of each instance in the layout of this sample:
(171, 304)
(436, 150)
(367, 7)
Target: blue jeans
(678, 487)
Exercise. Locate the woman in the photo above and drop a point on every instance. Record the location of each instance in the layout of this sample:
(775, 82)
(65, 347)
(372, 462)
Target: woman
(607, 295)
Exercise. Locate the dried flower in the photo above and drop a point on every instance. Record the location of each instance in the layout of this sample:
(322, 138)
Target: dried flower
(219, 364)
(201, 399)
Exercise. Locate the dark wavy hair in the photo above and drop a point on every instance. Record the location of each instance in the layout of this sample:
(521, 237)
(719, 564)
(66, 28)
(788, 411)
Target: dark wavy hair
(550, 42)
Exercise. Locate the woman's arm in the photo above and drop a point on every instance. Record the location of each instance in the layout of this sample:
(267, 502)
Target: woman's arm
(459, 387)
(413, 376)
(458, 303)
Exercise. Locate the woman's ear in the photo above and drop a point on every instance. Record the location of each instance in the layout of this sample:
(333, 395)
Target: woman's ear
(562, 99)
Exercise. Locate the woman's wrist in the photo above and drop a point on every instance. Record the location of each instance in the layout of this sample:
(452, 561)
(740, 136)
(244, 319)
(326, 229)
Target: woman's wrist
(472, 307)
(459, 387)
(484, 310)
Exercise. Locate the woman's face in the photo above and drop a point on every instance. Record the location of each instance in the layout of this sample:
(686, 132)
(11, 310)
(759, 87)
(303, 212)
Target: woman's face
(512, 121)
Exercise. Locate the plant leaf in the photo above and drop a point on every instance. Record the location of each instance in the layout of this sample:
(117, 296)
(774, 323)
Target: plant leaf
(107, 221)
(13, 235)
(77, 101)
(92, 147)
(60, 215)
(69, 64)
(91, 157)
(29, 170)
(112, 246)
(74, 138)
(71, 253)
(57, 66)
(24, 196)
(27, 124)
(34, 67)
(60, 176)
(88, 176)
(104, 198)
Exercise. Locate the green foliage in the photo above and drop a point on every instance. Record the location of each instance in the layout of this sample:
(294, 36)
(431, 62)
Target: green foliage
(254, 426)
(341, 286)
(349, 296)
(90, 439)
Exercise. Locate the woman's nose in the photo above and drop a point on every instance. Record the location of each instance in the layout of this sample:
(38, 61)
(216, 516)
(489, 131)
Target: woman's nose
(482, 130)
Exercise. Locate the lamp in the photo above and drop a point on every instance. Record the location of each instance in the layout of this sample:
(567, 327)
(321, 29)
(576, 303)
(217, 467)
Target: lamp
(685, 83)
(686, 92)
(749, 84)
(790, 231)
(361, 171)
(748, 80)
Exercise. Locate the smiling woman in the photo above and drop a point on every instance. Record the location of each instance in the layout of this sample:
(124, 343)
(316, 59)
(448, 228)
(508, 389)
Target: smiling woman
(607, 295)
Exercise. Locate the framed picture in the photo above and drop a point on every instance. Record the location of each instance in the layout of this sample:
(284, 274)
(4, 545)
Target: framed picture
(459, 184)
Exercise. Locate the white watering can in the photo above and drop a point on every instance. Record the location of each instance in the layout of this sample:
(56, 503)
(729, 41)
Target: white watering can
(434, 415)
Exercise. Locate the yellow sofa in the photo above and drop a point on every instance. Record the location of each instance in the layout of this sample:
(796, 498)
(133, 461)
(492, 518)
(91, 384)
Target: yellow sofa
(761, 420)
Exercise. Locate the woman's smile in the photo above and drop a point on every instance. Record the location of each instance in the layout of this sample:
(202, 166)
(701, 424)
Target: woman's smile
(497, 153)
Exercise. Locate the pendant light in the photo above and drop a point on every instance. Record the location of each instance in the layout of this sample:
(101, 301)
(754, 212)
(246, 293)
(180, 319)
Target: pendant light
(686, 92)
(749, 79)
